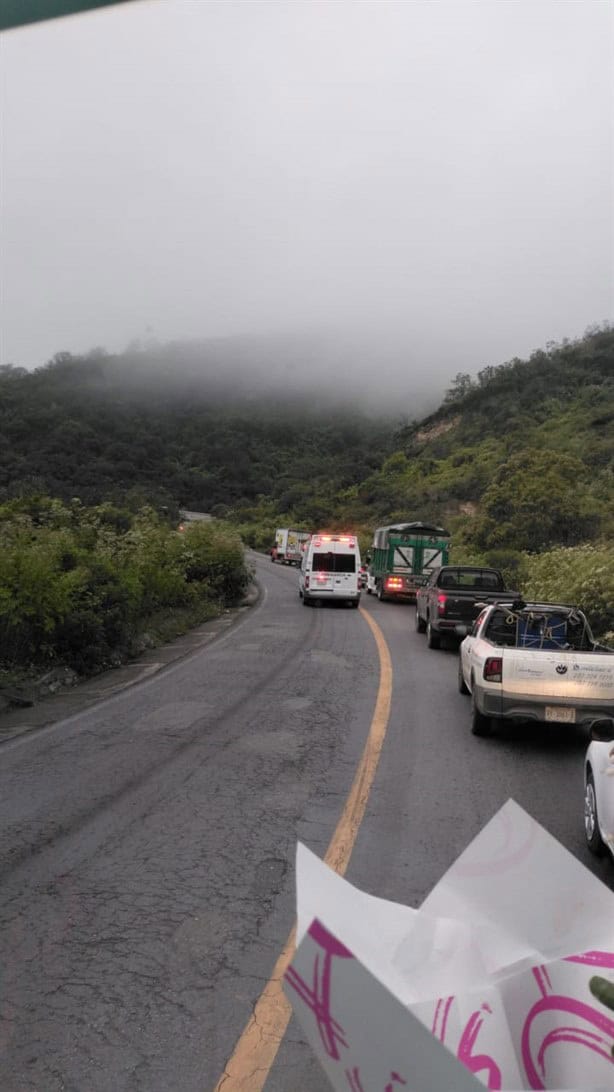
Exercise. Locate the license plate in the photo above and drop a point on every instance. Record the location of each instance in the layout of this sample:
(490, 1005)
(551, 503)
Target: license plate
(561, 714)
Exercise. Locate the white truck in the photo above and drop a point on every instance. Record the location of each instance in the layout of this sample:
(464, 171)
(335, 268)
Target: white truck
(537, 661)
(289, 545)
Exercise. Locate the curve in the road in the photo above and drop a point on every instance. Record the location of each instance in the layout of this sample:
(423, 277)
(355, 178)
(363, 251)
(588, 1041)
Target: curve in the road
(249, 1065)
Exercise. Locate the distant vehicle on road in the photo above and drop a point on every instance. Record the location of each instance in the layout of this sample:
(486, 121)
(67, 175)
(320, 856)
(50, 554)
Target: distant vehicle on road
(599, 788)
(402, 557)
(289, 545)
(538, 661)
(454, 595)
(330, 570)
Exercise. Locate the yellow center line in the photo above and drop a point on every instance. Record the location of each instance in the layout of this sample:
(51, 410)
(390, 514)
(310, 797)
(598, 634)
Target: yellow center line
(249, 1065)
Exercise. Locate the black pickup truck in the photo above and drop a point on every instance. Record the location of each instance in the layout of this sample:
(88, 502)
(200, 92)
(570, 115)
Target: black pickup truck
(453, 596)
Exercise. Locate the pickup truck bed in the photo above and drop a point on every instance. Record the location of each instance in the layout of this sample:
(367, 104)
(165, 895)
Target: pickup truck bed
(539, 662)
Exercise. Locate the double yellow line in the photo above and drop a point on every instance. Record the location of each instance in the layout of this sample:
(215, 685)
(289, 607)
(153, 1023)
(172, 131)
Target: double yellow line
(249, 1065)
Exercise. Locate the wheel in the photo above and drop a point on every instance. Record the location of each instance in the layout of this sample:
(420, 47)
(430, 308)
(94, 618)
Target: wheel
(432, 638)
(462, 685)
(480, 725)
(306, 601)
(594, 840)
(354, 603)
(380, 593)
(420, 623)
(368, 589)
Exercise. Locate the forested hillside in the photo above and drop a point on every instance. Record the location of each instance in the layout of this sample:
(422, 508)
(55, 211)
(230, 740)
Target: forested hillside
(525, 452)
(127, 429)
(518, 461)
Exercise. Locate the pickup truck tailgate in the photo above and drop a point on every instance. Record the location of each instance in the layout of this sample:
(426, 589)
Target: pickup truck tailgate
(563, 676)
(459, 608)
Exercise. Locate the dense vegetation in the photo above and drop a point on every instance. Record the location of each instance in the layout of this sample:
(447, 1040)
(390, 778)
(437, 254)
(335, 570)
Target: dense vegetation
(78, 585)
(110, 428)
(518, 462)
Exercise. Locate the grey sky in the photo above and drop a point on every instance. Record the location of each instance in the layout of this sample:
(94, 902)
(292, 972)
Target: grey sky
(438, 174)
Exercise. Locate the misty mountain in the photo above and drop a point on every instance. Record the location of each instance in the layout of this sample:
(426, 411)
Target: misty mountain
(200, 425)
(520, 456)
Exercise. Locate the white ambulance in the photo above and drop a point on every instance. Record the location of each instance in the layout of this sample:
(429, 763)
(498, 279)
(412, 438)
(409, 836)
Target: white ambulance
(330, 569)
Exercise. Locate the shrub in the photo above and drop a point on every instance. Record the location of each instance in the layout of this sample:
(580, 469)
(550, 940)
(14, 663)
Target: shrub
(580, 575)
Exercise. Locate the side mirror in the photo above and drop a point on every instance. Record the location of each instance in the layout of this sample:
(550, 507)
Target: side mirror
(603, 730)
(460, 630)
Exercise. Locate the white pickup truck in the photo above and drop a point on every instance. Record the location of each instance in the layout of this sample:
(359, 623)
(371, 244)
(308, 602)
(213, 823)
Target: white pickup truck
(537, 661)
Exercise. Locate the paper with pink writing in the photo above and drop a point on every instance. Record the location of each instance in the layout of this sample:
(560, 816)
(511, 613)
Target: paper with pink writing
(490, 976)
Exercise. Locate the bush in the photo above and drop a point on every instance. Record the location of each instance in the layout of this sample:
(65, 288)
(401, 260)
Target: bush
(580, 575)
(214, 558)
(77, 583)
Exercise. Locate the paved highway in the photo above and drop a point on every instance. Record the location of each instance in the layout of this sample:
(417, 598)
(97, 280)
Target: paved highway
(146, 847)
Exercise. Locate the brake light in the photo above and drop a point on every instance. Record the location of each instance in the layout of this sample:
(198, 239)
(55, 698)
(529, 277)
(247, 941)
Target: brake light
(394, 582)
(493, 669)
(306, 580)
(322, 577)
(441, 603)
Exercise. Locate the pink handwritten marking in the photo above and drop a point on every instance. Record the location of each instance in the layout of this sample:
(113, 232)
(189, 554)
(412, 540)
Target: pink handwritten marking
(394, 1079)
(446, 1013)
(476, 1063)
(327, 941)
(581, 1036)
(569, 1005)
(543, 980)
(507, 856)
(593, 959)
(317, 996)
(442, 1009)
(353, 1078)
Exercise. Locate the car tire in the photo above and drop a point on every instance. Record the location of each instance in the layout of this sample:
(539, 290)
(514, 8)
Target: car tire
(432, 638)
(480, 724)
(306, 601)
(462, 685)
(420, 623)
(380, 593)
(354, 603)
(594, 840)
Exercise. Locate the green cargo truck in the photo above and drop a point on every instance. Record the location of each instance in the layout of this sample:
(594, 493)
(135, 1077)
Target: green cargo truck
(402, 558)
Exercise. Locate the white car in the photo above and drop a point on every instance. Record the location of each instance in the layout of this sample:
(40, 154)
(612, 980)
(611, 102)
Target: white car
(599, 788)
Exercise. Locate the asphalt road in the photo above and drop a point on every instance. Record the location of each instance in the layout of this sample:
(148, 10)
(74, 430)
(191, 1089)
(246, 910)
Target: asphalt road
(146, 846)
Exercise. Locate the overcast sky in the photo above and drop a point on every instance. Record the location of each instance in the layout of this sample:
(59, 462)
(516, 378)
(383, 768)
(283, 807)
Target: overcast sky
(435, 173)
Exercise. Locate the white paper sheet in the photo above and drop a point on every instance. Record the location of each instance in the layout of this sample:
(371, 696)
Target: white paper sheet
(479, 979)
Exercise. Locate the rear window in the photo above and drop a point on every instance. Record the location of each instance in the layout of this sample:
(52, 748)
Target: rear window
(471, 578)
(334, 563)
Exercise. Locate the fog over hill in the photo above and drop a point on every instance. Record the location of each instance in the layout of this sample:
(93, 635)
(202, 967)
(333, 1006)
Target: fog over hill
(374, 373)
